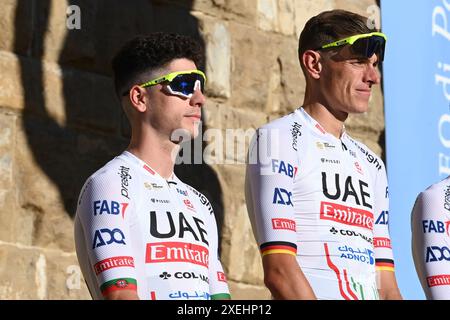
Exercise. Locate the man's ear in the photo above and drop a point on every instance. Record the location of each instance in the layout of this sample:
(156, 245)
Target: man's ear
(312, 63)
(138, 98)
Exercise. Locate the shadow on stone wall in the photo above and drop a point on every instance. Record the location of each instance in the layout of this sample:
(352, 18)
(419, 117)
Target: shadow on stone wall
(94, 129)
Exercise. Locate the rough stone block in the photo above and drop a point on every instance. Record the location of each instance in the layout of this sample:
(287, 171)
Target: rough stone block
(244, 291)
(16, 25)
(218, 57)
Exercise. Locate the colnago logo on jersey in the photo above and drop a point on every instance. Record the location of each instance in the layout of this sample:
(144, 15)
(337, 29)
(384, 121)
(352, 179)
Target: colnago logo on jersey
(435, 226)
(125, 176)
(180, 228)
(114, 262)
(438, 280)
(436, 253)
(351, 233)
(363, 255)
(184, 275)
(379, 242)
(101, 207)
(177, 252)
(283, 224)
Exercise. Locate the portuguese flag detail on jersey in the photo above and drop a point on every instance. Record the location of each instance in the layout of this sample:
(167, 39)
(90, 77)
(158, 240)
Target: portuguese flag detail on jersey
(118, 284)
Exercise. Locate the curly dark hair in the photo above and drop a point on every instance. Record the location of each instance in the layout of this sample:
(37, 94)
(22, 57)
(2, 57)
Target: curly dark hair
(145, 53)
(330, 26)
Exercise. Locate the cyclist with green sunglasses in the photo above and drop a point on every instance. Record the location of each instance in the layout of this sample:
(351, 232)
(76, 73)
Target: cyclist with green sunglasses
(140, 232)
(316, 197)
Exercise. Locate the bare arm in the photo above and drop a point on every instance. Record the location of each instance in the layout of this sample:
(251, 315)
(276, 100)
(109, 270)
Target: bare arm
(285, 279)
(388, 288)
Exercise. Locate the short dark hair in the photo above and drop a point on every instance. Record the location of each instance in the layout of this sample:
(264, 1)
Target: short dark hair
(146, 53)
(330, 26)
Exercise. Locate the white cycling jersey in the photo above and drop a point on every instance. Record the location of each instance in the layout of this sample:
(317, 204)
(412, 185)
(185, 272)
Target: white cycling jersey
(323, 200)
(430, 222)
(135, 230)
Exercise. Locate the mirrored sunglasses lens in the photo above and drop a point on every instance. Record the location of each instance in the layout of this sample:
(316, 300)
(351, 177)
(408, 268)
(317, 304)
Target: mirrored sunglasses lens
(185, 83)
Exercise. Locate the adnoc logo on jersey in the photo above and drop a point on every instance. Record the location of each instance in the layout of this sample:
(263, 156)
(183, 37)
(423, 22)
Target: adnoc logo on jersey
(346, 215)
(436, 253)
(282, 196)
(113, 262)
(361, 255)
(111, 236)
(283, 224)
(177, 252)
(383, 218)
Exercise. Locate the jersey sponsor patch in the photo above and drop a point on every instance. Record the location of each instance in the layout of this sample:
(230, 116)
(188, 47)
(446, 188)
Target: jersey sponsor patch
(101, 207)
(383, 218)
(435, 226)
(282, 196)
(283, 224)
(362, 255)
(436, 253)
(438, 280)
(114, 262)
(278, 247)
(221, 276)
(282, 167)
(382, 243)
(177, 252)
(103, 237)
(346, 215)
(118, 284)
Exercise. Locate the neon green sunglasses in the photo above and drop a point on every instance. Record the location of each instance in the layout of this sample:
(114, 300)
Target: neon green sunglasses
(180, 83)
(366, 44)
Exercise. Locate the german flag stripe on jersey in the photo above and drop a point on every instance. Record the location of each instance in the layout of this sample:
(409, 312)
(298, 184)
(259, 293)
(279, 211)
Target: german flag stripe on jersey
(384, 265)
(278, 247)
(118, 284)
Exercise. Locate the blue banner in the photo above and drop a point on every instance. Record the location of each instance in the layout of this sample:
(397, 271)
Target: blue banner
(417, 109)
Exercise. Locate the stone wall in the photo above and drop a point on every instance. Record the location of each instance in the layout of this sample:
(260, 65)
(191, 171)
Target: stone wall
(59, 121)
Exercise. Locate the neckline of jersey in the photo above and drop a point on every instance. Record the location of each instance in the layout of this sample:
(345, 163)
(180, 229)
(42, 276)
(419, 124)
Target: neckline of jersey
(142, 164)
(317, 127)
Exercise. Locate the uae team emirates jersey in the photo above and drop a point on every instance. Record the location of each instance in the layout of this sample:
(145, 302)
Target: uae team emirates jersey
(323, 200)
(431, 240)
(135, 230)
